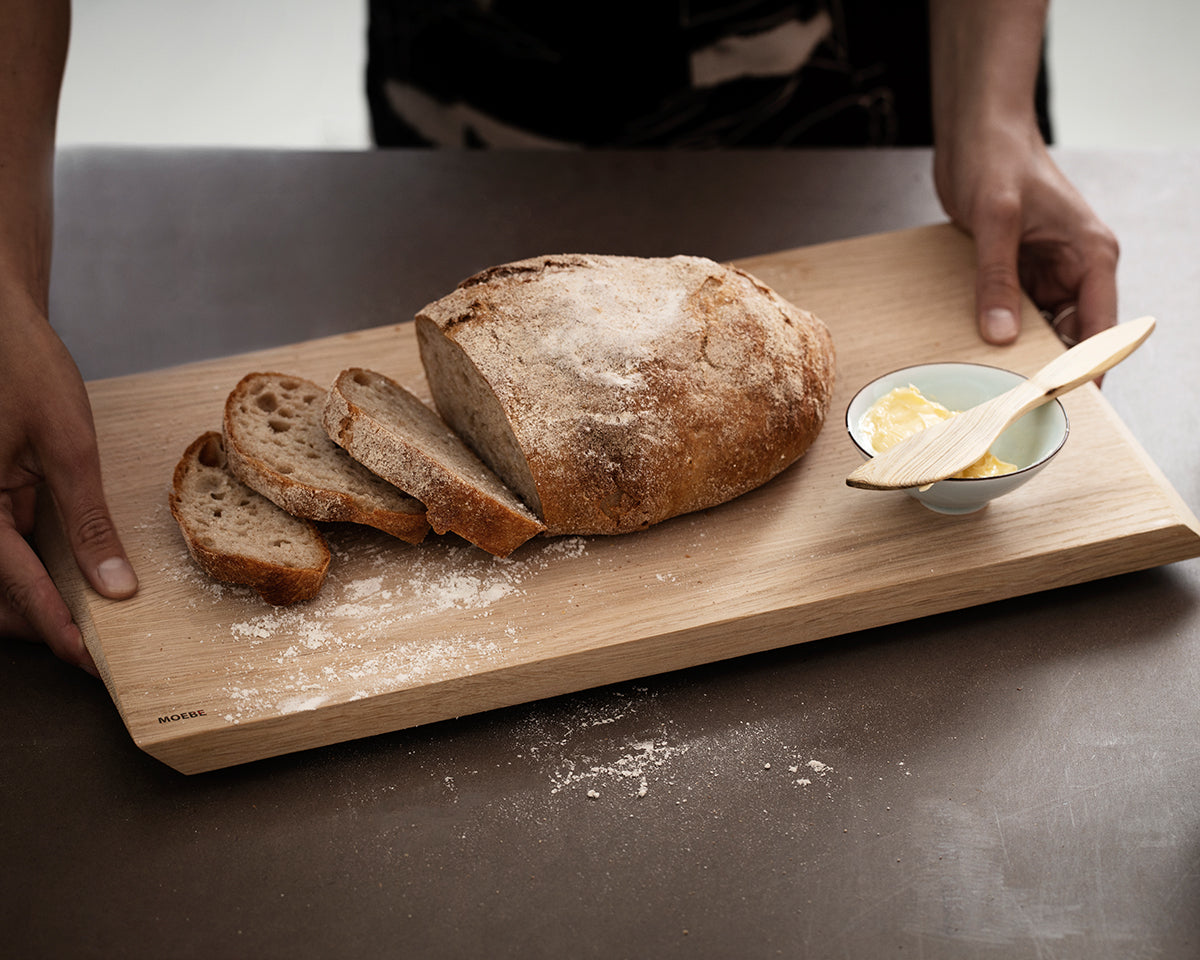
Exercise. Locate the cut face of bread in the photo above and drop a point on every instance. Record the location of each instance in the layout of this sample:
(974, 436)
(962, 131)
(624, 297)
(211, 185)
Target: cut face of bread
(238, 536)
(615, 392)
(385, 427)
(277, 444)
(472, 407)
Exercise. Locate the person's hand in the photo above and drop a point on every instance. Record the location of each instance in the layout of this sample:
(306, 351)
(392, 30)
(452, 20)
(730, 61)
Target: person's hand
(1032, 230)
(47, 434)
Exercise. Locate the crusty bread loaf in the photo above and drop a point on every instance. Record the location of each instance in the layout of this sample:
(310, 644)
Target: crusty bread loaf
(276, 443)
(384, 426)
(614, 392)
(238, 536)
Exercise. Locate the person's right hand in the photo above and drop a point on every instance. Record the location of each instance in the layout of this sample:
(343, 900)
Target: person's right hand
(47, 434)
(1033, 231)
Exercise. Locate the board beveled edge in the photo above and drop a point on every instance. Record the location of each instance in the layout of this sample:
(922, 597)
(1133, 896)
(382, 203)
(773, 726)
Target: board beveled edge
(211, 749)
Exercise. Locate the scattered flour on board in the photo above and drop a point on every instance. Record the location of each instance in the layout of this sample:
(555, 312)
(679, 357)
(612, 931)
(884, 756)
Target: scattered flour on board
(362, 634)
(300, 703)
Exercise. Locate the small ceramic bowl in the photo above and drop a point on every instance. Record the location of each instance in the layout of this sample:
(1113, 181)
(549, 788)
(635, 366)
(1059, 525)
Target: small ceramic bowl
(1030, 443)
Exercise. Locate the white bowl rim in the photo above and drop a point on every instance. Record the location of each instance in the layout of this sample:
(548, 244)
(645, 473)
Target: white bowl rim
(958, 363)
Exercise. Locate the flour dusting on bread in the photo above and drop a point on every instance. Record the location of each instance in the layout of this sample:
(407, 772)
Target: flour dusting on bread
(616, 392)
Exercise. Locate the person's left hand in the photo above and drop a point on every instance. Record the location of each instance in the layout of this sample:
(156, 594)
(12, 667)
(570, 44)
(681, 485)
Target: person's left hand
(47, 436)
(1033, 231)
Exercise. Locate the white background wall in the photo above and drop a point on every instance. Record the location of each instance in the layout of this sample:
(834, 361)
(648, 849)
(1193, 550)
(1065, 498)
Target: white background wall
(1126, 74)
(288, 73)
(256, 73)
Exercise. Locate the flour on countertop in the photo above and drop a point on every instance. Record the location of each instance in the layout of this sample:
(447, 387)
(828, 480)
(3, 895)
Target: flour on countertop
(614, 745)
(634, 768)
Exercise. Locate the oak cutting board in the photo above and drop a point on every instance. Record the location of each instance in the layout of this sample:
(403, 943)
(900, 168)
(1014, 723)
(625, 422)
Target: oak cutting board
(207, 676)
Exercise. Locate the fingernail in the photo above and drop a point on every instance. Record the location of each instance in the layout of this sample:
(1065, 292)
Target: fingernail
(116, 577)
(89, 665)
(80, 655)
(999, 325)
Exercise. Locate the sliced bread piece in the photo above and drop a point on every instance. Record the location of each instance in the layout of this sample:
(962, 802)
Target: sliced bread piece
(384, 426)
(238, 536)
(276, 444)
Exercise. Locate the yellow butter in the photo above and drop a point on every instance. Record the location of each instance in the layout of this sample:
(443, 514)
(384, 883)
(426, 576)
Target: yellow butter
(898, 415)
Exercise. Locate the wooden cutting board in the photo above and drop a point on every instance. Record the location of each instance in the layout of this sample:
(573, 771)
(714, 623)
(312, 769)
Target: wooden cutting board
(207, 676)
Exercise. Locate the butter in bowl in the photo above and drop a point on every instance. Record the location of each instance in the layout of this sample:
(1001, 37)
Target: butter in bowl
(883, 410)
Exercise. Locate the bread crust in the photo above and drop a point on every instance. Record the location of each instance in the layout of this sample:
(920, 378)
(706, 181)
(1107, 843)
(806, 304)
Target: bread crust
(396, 435)
(248, 416)
(277, 583)
(634, 389)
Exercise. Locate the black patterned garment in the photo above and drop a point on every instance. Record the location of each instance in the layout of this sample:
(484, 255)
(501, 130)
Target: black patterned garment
(650, 73)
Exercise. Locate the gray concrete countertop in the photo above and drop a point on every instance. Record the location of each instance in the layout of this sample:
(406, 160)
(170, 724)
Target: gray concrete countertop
(1013, 780)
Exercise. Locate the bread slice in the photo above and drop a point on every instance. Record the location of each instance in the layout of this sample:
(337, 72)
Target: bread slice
(276, 444)
(238, 536)
(384, 426)
(614, 392)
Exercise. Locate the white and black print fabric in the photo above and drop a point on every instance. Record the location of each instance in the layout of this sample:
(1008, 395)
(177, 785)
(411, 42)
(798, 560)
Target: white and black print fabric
(650, 73)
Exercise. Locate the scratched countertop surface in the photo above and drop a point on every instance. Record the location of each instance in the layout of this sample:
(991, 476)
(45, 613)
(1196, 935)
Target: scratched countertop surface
(1012, 780)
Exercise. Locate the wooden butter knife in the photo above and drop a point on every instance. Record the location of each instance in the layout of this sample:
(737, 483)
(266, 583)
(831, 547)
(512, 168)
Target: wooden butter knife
(942, 450)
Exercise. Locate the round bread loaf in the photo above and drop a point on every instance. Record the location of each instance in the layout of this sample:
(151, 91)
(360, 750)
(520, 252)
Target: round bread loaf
(615, 392)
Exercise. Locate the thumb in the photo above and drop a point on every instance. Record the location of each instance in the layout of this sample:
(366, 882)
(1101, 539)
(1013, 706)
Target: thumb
(997, 283)
(90, 529)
